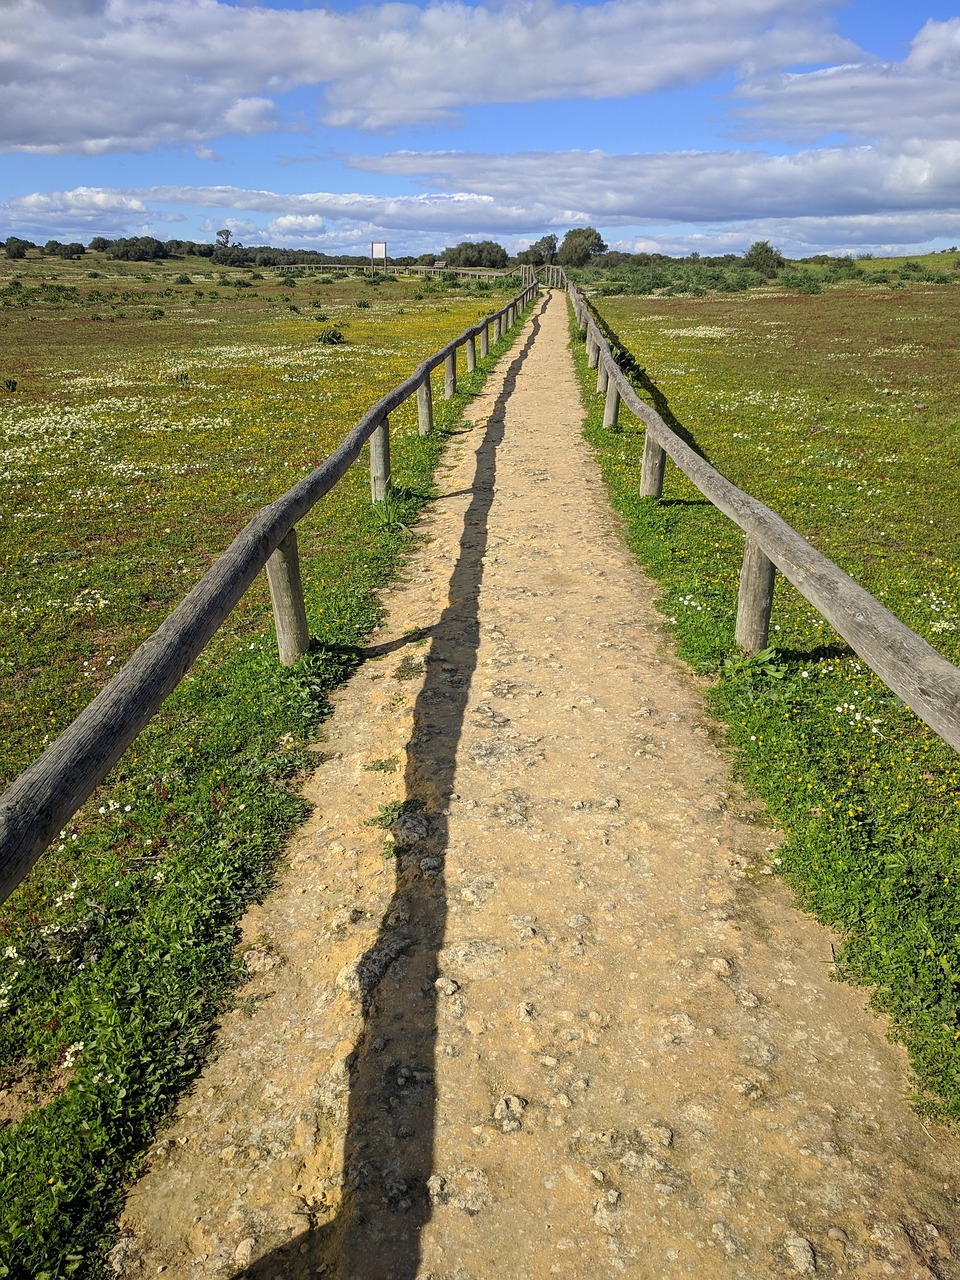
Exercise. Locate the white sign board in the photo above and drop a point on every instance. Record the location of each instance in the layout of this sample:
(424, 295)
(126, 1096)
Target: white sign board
(378, 249)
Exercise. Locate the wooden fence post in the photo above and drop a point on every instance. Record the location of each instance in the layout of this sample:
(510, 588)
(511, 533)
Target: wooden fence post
(755, 600)
(425, 406)
(450, 375)
(611, 408)
(497, 326)
(484, 342)
(602, 374)
(380, 461)
(593, 353)
(651, 474)
(471, 354)
(286, 596)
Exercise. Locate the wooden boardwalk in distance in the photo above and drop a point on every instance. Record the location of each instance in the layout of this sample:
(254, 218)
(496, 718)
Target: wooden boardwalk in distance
(571, 1027)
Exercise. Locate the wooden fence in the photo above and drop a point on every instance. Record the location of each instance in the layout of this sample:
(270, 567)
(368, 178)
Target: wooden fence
(913, 669)
(412, 269)
(43, 798)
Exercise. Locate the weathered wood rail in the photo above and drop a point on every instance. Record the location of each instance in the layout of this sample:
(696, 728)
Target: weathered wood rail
(904, 661)
(44, 797)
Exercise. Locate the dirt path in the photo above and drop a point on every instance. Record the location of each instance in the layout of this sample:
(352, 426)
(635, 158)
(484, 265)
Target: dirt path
(571, 1028)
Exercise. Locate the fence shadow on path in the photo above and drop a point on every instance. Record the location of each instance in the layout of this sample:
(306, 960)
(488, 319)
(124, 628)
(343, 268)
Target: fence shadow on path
(389, 1150)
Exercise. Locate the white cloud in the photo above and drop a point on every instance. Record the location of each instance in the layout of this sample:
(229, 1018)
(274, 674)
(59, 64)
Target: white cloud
(816, 199)
(693, 186)
(916, 98)
(435, 210)
(802, 237)
(339, 222)
(83, 212)
(450, 56)
(134, 74)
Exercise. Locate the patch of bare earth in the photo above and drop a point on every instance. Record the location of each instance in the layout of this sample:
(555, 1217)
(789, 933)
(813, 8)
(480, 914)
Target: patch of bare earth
(569, 1028)
(21, 1095)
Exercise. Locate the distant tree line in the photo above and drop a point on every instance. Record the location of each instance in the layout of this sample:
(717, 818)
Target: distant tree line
(150, 249)
(581, 248)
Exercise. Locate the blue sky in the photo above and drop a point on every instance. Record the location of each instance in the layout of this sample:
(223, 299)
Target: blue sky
(671, 125)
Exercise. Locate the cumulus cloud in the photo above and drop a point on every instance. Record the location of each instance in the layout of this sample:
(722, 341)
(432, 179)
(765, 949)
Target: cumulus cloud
(432, 211)
(859, 195)
(608, 193)
(800, 237)
(916, 98)
(83, 212)
(694, 186)
(448, 56)
(129, 77)
(110, 75)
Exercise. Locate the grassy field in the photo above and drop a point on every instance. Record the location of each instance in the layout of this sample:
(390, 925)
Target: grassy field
(146, 412)
(841, 412)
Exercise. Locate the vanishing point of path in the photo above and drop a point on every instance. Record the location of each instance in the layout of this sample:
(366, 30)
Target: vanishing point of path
(570, 1028)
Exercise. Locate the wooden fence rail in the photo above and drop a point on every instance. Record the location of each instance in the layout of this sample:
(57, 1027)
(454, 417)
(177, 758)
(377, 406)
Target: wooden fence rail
(45, 796)
(906, 663)
(413, 269)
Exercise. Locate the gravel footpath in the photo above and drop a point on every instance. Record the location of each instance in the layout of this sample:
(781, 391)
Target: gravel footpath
(560, 1020)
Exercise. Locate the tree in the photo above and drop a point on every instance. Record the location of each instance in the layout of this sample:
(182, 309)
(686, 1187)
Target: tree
(580, 244)
(480, 253)
(614, 258)
(762, 257)
(137, 249)
(223, 237)
(54, 249)
(17, 248)
(541, 252)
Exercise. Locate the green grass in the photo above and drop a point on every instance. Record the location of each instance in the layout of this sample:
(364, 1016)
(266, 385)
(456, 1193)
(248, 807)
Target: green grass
(840, 412)
(127, 468)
